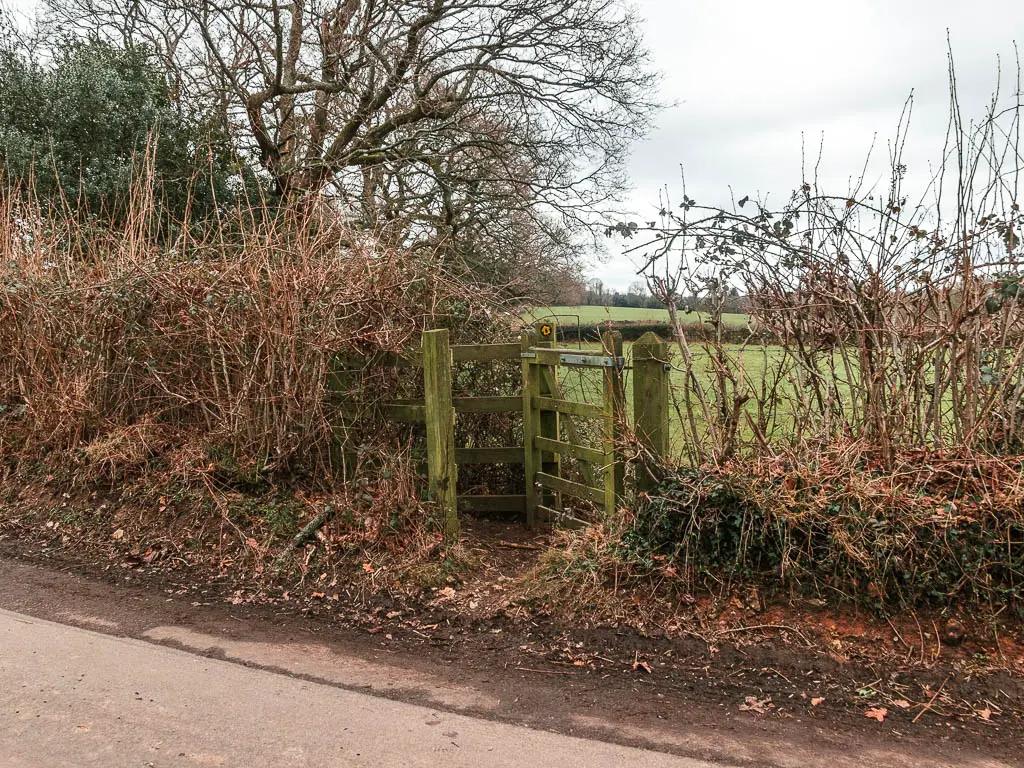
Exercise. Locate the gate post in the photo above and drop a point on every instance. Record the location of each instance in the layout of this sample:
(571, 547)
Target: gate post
(650, 407)
(614, 411)
(440, 415)
(531, 428)
(551, 463)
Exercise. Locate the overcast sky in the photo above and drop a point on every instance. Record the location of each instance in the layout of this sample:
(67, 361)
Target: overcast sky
(750, 78)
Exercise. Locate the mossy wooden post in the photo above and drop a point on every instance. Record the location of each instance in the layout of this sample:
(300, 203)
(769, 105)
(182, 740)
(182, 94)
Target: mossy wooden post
(440, 415)
(650, 407)
(531, 427)
(551, 463)
(614, 411)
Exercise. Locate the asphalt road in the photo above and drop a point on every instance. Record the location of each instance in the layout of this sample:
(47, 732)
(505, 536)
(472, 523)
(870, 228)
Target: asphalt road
(71, 697)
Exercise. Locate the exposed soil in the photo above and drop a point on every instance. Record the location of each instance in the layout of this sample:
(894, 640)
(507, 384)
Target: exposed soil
(784, 684)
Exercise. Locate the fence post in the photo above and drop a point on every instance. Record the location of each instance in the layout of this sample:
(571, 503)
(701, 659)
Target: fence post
(437, 394)
(650, 407)
(531, 428)
(551, 463)
(614, 410)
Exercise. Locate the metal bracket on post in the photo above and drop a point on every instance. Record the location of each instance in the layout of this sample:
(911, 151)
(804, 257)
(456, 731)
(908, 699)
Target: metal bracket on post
(596, 361)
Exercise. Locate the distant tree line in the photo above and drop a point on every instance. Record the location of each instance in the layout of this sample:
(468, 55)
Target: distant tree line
(595, 293)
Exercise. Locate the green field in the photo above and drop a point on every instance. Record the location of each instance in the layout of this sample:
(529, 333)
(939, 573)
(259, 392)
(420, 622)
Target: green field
(759, 363)
(589, 315)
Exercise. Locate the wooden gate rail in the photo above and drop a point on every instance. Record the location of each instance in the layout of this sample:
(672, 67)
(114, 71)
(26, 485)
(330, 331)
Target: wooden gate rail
(581, 452)
(570, 408)
(512, 454)
(570, 488)
(437, 410)
(461, 353)
(411, 411)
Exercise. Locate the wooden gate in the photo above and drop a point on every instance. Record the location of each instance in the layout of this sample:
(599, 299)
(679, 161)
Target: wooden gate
(550, 430)
(551, 434)
(551, 426)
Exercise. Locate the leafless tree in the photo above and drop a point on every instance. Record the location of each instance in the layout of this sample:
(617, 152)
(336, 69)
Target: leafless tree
(438, 114)
(637, 288)
(897, 317)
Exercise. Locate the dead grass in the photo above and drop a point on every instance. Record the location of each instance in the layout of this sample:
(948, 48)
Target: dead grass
(371, 535)
(934, 529)
(118, 346)
(177, 400)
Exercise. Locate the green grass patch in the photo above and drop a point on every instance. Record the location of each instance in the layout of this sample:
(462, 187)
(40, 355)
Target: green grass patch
(758, 363)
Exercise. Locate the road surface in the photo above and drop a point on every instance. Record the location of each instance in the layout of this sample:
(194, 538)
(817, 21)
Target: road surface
(72, 697)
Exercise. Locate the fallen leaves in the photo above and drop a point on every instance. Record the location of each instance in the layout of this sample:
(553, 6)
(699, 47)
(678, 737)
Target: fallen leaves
(817, 700)
(877, 713)
(754, 704)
